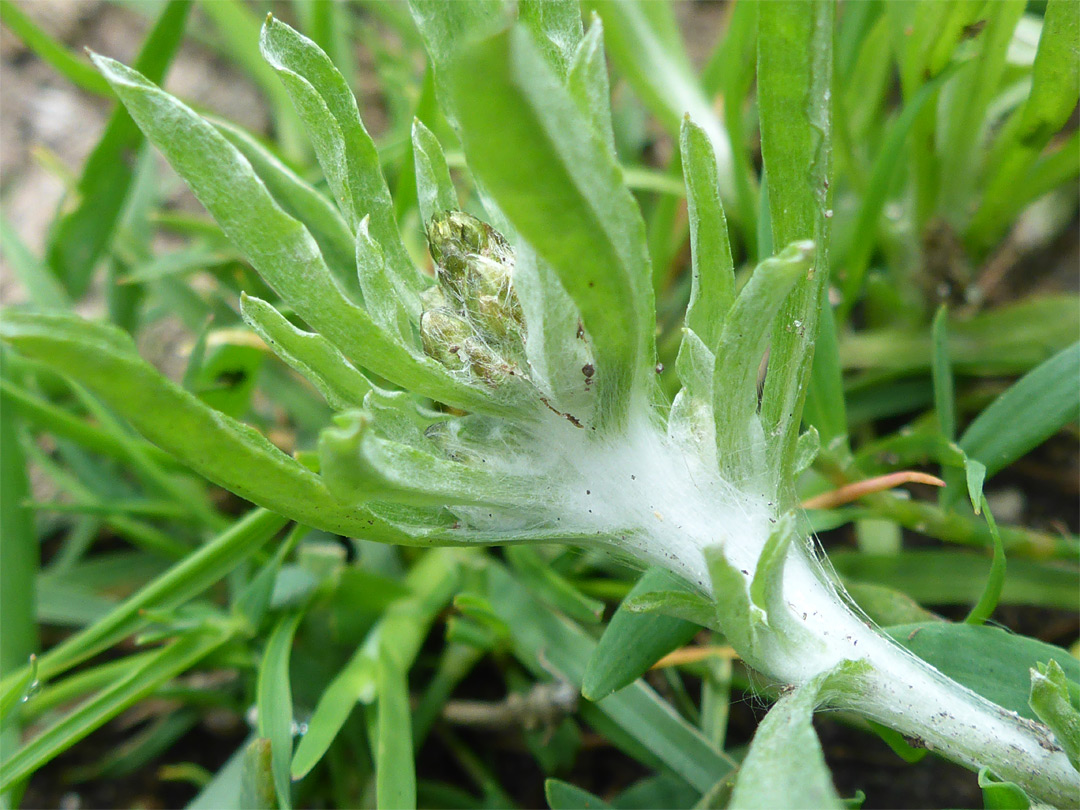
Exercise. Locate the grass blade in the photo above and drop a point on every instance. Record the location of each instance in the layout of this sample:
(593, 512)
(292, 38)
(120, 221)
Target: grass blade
(55, 53)
(80, 237)
(274, 702)
(1034, 408)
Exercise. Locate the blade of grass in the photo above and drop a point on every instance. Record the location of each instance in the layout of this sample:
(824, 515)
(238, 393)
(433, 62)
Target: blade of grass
(995, 582)
(41, 285)
(79, 238)
(395, 774)
(188, 578)
(55, 53)
(274, 702)
(141, 682)
(546, 643)
(1034, 408)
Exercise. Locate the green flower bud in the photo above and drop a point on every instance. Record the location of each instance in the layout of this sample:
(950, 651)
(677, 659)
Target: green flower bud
(487, 364)
(434, 298)
(443, 335)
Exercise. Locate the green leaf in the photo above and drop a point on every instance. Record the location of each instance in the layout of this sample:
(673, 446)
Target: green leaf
(975, 475)
(19, 552)
(1034, 408)
(987, 660)
(298, 198)
(546, 643)
(1050, 700)
(588, 82)
(395, 315)
(643, 40)
(395, 774)
(991, 594)
(431, 582)
(198, 571)
(434, 188)
(633, 642)
(41, 285)
(79, 238)
(942, 577)
(712, 289)
(561, 188)
(785, 757)
(172, 660)
(277, 245)
(886, 605)
(564, 796)
(274, 703)
(1055, 86)
(766, 588)
(944, 396)
(227, 452)
(238, 26)
(556, 27)
(345, 150)
(552, 588)
(740, 443)
(358, 466)
(967, 98)
(50, 50)
(558, 348)
(999, 795)
(888, 162)
(309, 354)
(682, 605)
(1010, 339)
(794, 86)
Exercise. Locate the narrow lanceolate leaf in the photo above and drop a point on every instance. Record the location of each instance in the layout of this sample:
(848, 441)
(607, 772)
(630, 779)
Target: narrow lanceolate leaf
(434, 188)
(274, 703)
(313, 356)
(277, 245)
(79, 238)
(226, 451)
(1049, 699)
(643, 41)
(785, 757)
(431, 582)
(297, 197)
(187, 578)
(178, 657)
(358, 466)
(1055, 87)
(1034, 408)
(395, 769)
(633, 642)
(794, 81)
(739, 437)
(348, 155)
(712, 288)
(588, 82)
(562, 190)
(556, 27)
(395, 315)
(51, 51)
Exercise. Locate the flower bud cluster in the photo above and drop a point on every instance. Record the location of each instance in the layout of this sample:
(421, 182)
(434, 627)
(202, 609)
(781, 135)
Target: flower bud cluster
(472, 321)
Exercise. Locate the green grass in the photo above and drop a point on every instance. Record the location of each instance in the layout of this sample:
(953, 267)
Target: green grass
(922, 147)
